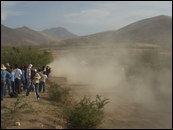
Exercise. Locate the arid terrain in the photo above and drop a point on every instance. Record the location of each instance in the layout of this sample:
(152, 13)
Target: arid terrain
(140, 97)
(42, 114)
(132, 67)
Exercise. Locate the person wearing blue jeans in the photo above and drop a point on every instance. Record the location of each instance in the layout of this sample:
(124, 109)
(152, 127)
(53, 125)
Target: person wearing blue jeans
(23, 78)
(31, 86)
(9, 85)
(2, 89)
(37, 90)
(4, 74)
(35, 83)
(28, 83)
(8, 81)
(28, 76)
(42, 86)
(12, 79)
(42, 81)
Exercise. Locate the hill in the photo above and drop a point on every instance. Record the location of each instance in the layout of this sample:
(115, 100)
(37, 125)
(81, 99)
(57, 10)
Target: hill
(23, 36)
(60, 33)
(156, 30)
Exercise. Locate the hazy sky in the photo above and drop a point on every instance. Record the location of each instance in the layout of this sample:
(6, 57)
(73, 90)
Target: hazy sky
(80, 17)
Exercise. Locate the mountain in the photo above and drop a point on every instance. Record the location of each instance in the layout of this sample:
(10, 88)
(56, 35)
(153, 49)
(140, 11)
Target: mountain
(23, 36)
(156, 30)
(60, 33)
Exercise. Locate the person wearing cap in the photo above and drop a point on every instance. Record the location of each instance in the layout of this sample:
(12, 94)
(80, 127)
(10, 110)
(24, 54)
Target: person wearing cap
(4, 74)
(8, 82)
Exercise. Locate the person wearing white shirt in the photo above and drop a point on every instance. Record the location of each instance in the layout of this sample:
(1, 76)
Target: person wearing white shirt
(17, 77)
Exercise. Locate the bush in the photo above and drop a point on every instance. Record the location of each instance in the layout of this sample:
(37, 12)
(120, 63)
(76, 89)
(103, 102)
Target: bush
(86, 114)
(25, 55)
(57, 93)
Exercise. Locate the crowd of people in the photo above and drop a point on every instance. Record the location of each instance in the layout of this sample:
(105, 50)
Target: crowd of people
(23, 78)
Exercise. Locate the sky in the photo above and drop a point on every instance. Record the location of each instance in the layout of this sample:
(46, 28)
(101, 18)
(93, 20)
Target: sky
(80, 17)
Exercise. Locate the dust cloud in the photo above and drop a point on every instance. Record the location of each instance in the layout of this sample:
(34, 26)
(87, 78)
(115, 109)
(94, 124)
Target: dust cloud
(140, 95)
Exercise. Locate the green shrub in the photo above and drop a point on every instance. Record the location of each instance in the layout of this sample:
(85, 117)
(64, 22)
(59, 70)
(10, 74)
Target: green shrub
(57, 93)
(86, 114)
(25, 55)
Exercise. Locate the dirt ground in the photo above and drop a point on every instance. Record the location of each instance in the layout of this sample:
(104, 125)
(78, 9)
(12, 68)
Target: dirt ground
(42, 114)
(123, 113)
(127, 114)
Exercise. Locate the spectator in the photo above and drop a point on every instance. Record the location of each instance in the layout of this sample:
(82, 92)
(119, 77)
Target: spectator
(35, 82)
(17, 76)
(23, 77)
(48, 70)
(12, 79)
(28, 76)
(8, 82)
(42, 81)
(4, 74)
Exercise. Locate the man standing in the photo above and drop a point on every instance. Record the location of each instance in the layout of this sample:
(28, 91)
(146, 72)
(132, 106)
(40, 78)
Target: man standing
(12, 79)
(17, 76)
(48, 71)
(36, 82)
(28, 76)
(42, 81)
(4, 74)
